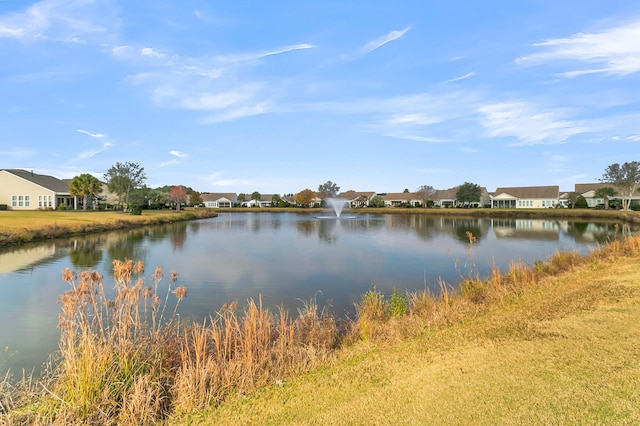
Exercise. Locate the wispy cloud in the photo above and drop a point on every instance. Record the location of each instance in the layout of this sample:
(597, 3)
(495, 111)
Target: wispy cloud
(381, 41)
(528, 123)
(613, 51)
(252, 56)
(179, 154)
(462, 77)
(167, 163)
(93, 152)
(60, 20)
(93, 135)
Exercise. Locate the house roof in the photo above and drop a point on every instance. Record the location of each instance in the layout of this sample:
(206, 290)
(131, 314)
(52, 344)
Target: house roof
(352, 195)
(530, 191)
(215, 196)
(445, 194)
(405, 196)
(49, 182)
(582, 188)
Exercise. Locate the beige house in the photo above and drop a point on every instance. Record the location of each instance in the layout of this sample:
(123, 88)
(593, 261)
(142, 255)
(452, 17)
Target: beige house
(219, 200)
(526, 197)
(25, 190)
(400, 199)
(357, 199)
(588, 191)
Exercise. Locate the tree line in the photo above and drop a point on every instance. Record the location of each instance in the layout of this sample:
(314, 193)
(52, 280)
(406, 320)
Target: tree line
(127, 181)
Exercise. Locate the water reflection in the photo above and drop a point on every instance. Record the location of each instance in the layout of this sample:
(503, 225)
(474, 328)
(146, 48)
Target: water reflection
(285, 258)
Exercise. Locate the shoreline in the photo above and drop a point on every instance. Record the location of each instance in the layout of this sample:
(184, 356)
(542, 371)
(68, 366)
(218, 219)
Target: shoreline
(35, 226)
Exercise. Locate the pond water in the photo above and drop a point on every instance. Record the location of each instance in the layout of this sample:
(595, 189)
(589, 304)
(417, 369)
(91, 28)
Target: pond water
(284, 258)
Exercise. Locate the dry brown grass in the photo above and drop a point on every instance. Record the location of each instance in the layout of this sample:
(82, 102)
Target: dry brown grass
(493, 346)
(26, 226)
(559, 349)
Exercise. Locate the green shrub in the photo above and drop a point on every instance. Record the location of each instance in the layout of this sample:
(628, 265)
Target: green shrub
(4, 207)
(135, 209)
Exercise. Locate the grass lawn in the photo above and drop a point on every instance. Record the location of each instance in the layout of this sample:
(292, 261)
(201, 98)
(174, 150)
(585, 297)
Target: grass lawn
(24, 226)
(564, 352)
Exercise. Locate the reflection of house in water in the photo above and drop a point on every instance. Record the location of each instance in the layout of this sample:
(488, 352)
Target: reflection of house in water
(534, 229)
(26, 258)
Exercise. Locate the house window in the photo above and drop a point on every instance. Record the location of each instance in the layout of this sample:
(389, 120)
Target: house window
(27, 201)
(14, 201)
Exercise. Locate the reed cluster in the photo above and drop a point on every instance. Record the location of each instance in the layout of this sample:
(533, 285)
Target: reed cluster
(126, 357)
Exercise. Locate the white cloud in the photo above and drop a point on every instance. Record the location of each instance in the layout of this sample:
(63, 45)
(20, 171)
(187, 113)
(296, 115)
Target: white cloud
(93, 135)
(61, 20)
(179, 154)
(150, 51)
(381, 41)
(462, 77)
(92, 152)
(613, 51)
(167, 163)
(529, 124)
(244, 57)
(416, 138)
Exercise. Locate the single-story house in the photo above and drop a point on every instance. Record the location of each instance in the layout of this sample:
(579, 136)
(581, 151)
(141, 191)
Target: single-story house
(400, 199)
(588, 191)
(526, 197)
(25, 190)
(219, 200)
(445, 197)
(357, 199)
(266, 200)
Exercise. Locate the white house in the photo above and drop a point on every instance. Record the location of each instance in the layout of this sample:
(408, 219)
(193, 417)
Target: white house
(526, 197)
(357, 199)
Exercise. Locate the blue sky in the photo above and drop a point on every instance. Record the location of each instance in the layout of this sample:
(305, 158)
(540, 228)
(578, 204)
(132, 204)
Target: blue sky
(280, 96)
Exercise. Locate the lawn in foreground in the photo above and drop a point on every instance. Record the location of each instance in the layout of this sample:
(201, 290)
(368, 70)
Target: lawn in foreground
(565, 352)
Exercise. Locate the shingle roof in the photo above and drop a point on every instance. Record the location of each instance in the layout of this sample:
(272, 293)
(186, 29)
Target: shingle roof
(211, 196)
(530, 192)
(48, 182)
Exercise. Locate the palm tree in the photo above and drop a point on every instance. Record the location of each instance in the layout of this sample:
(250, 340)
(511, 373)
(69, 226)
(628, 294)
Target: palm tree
(85, 185)
(605, 193)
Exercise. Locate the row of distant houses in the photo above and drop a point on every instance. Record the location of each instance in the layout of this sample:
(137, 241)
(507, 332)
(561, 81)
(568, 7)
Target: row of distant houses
(25, 190)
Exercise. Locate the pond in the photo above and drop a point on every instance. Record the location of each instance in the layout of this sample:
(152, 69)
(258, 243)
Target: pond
(284, 258)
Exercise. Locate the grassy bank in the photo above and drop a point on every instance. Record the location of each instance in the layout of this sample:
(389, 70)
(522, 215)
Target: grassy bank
(551, 343)
(535, 346)
(17, 227)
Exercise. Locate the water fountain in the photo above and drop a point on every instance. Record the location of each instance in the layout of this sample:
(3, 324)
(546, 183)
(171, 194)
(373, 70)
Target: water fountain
(337, 204)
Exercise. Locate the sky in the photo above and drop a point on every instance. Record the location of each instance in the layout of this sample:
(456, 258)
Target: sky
(281, 96)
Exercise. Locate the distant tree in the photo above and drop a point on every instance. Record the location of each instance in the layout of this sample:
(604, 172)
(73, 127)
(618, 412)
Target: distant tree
(122, 178)
(376, 201)
(572, 197)
(178, 194)
(581, 203)
(328, 190)
(86, 185)
(195, 198)
(425, 194)
(468, 193)
(255, 196)
(605, 193)
(406, 191)
(275, 200)
(305, 197)
(159, 197)
(241, 198)
(626, 178)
